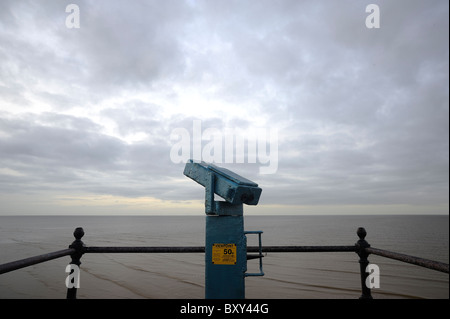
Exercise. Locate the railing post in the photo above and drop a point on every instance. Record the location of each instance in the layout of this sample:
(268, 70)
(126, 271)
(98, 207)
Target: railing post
(78, 246)
(361, 246)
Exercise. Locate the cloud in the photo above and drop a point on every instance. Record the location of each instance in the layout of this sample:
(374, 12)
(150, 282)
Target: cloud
(127, 45)
(362, 114)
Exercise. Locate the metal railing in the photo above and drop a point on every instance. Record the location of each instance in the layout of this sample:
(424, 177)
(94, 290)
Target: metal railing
(362, 248)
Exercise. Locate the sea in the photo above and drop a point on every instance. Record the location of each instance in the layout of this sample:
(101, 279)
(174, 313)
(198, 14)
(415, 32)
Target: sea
(181, 276)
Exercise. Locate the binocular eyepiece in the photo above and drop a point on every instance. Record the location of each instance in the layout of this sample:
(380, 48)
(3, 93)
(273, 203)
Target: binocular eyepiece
(232, 187)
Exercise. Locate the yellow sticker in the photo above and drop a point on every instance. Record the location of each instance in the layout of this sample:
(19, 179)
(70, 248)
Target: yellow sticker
(224, 254)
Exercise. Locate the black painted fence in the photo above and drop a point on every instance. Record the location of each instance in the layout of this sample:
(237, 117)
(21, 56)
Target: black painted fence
(362, 248)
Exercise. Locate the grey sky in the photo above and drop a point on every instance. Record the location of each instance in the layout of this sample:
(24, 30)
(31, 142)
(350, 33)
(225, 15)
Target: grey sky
(86, 114)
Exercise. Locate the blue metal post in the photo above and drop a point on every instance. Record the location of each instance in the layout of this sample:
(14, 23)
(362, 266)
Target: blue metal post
(225, 257)
(225, 240)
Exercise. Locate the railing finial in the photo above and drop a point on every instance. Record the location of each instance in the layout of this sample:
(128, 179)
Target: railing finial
(78, 233)
(361, 232)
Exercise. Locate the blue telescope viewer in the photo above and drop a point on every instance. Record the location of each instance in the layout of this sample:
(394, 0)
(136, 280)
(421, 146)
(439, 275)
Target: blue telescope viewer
(225, 240)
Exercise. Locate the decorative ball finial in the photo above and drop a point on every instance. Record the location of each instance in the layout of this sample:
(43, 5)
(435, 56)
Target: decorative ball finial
(78, 233)
(361, 232)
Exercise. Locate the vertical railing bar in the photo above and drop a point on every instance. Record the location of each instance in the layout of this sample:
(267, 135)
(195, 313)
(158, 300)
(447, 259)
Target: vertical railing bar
(260, 254)
(361, 246)
(78, 245)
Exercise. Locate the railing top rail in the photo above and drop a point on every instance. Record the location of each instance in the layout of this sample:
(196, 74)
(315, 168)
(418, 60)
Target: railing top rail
(22, 263)
(427, 263)
(431, 264)
(162, 249)
(251, 249)
(78, 247)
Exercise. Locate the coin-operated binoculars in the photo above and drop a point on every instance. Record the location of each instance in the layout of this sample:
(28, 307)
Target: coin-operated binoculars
(225, 242)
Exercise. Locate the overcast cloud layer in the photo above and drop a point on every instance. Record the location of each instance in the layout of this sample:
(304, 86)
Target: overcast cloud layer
(362, 114)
